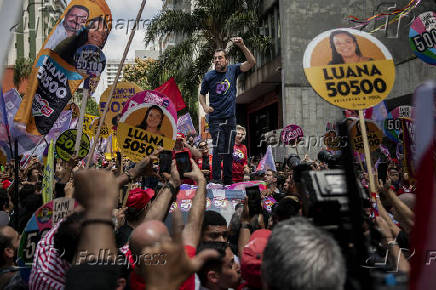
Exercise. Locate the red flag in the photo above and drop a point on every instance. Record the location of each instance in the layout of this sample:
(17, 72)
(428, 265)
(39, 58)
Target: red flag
(171, 90)
(423, 262)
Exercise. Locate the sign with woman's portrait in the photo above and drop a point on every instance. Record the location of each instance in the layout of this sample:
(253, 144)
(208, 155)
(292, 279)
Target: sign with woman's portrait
(148, 120)
(348, 68)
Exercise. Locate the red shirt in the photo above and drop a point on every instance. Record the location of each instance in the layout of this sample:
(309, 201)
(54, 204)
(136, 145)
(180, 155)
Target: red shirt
(239, 162)
(137, 283)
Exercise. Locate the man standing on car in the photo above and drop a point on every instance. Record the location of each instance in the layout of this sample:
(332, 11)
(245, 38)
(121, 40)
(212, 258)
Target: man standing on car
(221, 84)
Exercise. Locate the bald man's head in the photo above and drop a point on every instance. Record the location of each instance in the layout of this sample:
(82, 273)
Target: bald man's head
(146, 235)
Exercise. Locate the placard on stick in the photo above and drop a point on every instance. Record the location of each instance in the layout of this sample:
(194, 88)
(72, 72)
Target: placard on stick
(65, 145)
(121, 94)
(148, 121)
(348, 68)
(422, 36)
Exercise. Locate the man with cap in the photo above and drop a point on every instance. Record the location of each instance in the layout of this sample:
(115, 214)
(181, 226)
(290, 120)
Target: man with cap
(134, 214)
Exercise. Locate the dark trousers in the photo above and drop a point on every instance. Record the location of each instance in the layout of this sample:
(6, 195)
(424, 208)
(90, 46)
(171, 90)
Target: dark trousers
(223, 133)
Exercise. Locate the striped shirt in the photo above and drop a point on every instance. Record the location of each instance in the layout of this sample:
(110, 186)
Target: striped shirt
(48, 269)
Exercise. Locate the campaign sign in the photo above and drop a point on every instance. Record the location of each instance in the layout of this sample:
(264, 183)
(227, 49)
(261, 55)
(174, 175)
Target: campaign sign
(44, 219)
(422, 37)
(348, 68)
(148, 121)
(65, 145)
(290, 134)
(332, 141)
(90, 60)
(403, 112)
(392, 127)
(105, 131)
(121, 94)
(374, 134)
(87, 122)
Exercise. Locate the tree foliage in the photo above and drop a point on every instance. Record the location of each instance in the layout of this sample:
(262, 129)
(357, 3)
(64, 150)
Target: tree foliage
(137, 72)
(22, 70)
(92, 107)
(209, 25)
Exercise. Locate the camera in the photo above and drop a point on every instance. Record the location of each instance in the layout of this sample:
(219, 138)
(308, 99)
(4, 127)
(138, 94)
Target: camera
(332, 161)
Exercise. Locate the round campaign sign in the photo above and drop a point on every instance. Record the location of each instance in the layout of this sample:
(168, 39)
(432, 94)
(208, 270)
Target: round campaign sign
(290, 134)
(349, 68)
(148, 121)
(90, 60)
(422, 37)
(105, 131)
(122, 93)
(39, 224)
(332, 141)
(375, 136)
(66, 142)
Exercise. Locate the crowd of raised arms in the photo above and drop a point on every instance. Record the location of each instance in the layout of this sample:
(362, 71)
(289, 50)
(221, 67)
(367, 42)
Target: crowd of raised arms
(108, 243)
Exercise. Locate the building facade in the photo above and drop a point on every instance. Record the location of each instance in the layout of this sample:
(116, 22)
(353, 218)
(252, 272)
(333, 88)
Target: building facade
(276, 92)
(36, 20)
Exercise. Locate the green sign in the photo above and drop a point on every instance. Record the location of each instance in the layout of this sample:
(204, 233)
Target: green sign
(65, 145)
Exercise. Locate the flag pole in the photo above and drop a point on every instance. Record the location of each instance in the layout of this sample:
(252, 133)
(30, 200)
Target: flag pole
(106, 108)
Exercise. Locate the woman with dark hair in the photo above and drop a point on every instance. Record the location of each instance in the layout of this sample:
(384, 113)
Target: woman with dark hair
(345, 48)
(153, 120)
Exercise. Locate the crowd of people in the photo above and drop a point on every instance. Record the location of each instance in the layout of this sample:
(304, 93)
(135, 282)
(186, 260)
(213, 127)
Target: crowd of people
(118, 236)
(266, 249)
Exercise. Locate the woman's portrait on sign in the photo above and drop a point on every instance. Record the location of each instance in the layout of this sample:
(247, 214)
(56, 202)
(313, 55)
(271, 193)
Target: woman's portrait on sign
(345, 48)
(153, 120)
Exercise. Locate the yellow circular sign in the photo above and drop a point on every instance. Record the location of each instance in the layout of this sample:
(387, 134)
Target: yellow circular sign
(348, 68)
(375, 136)
(105, 132)
(122, 93)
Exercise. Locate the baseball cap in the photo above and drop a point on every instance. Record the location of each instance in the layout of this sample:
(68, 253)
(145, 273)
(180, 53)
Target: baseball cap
(251, 259)
(180, 136)
(6, 183)
(138, 198)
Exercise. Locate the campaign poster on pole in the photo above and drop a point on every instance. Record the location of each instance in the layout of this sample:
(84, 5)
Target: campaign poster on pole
(291, 134)
(375, 136)
(65, 145)
(122, 93)
(148, 121)
(348, 68)
(105, 131)
(54, 77)
(422, 37)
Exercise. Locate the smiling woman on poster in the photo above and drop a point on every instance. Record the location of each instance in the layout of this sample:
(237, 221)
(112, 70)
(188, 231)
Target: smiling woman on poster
(345, 48)
(153, 120)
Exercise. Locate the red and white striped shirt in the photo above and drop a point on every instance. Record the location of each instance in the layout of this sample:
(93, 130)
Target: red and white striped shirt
(48, 269)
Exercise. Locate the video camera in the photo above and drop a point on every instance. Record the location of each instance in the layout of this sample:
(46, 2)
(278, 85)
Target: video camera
(334, 200)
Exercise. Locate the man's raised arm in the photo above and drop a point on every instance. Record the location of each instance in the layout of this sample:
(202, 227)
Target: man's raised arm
(251, 61)
(192, 230)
